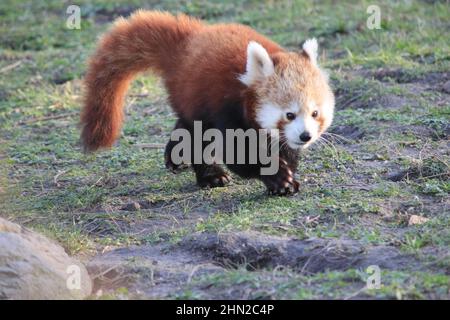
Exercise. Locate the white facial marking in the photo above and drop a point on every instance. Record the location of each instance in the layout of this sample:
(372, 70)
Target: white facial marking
(303, 123)
(292, 132)
(294, 108)
(312, 127)
(268, 116)
(259, 64)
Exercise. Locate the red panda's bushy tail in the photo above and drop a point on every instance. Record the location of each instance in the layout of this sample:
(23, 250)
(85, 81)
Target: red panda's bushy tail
(147, 40)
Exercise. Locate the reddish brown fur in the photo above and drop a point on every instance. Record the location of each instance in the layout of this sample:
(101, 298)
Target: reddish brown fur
(199, 64)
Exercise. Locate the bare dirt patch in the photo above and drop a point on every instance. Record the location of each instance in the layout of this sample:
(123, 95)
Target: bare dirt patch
(163, 269)
(258, 251)
(403, 76)
(146, 271)
(373, 90)
(348, 132)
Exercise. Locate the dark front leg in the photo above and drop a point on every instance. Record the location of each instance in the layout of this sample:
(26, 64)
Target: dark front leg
(175, 168)
(210, 176)
(282, 182)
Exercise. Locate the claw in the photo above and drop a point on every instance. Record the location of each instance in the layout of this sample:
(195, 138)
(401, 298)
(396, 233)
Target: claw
(213, 181)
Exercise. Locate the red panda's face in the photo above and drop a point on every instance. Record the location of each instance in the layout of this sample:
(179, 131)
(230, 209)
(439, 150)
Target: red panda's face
(292, 92)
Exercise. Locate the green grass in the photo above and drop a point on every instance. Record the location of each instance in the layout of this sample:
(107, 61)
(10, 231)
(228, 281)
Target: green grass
(287, 284)
(48, 184)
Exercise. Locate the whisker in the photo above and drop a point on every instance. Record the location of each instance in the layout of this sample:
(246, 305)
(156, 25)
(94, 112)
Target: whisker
(337, 136)
(332, 148)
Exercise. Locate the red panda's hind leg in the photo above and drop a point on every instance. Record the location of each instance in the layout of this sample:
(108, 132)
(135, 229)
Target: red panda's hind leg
(170, 165)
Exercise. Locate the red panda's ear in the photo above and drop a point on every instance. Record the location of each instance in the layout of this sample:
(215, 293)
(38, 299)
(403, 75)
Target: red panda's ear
(310, 48)
(259, 64)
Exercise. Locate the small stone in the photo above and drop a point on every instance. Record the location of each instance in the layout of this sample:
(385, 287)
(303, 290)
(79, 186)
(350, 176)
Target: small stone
(446, 87)
(132, 206)
(397, 176)
(415, 220)
(373, 157)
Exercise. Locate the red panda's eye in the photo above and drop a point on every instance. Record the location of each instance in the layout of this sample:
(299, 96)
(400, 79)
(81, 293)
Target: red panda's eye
(290, 116)
(315, 114)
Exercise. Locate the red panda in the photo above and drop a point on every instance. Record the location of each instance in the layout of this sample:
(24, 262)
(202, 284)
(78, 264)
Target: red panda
(226, 75)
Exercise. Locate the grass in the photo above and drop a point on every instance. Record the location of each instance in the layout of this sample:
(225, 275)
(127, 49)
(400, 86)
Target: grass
(385, 124)
(286, 284)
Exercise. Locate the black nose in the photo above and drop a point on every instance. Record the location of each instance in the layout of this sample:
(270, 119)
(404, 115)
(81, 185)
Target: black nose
(305, 136)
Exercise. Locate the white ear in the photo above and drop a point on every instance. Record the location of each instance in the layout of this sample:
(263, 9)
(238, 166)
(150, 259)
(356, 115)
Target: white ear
(259, 64)
(311, 47)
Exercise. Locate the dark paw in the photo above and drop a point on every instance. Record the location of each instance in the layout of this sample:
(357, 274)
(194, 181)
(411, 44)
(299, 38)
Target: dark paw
(175, 168)
(284, 188)
(219, 179)
(282, 183)
(170, 165)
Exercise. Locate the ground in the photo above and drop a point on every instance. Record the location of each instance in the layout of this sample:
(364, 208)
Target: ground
(147, 233)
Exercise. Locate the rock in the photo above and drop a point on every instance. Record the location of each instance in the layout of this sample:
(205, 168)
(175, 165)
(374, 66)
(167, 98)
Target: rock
(397, 176)
(348, 132)
(132, 206)
(446, 87)
(33, 267)
(413, 220)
